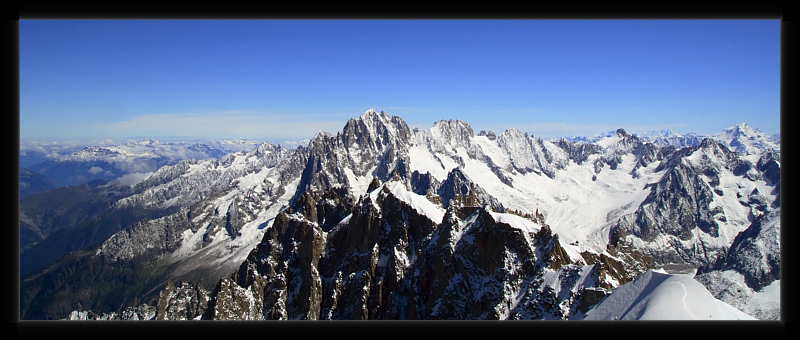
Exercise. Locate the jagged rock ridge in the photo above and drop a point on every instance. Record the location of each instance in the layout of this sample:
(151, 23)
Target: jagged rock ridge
(271, 220)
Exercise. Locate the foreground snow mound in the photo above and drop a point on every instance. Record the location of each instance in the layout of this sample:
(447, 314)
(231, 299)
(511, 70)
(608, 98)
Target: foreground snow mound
(660, 296)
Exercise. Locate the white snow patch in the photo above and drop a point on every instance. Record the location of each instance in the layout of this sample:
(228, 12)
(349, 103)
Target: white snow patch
(516, 221)
(609, 141)
(420, 203)
(659, 296)
(492, 149)
(358, 185)
(576, 207)
(422, 160)
(254, 180)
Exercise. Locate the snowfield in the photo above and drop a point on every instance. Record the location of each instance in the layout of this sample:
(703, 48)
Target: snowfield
(583, 192)
(656, 295)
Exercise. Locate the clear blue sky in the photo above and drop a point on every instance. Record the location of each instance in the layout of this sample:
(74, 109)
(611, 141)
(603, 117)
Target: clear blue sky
(287, 79)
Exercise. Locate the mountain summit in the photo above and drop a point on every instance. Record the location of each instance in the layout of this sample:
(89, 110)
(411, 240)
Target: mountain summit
(379, 221)
(745, 139)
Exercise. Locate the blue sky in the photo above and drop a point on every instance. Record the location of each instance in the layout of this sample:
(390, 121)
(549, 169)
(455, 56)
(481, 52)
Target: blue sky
(287, 79)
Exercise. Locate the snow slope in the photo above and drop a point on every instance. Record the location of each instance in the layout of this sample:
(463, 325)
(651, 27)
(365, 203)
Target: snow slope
(581, 198)
(579, 204)
(748, 140)
(657, 295)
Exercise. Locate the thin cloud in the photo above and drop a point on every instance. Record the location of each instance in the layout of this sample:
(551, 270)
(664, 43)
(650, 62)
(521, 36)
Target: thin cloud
(226, 124)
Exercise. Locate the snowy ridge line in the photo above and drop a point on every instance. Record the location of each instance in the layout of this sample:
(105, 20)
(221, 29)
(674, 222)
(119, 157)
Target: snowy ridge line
(660, 296)
(622, 201)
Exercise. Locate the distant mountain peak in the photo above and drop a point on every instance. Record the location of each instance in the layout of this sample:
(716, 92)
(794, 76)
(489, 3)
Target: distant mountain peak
(748, 140)
(430, 218)
(373, 114)
(743, 126)
(455, 125)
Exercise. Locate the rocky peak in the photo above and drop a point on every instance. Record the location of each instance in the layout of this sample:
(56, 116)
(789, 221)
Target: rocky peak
(489, 134)
(530, 154)
(319, 138)
(627, 143)
(577, 151)
(713, 153)
(513, 134)
(745, 139)
(455, 131)
(709, 143)
(741, 129)
(670, 137)
(755, 255)
(184, 301)
(95, 152)
(266, 148)
(516, 144)
(375, 130)
(459, 190)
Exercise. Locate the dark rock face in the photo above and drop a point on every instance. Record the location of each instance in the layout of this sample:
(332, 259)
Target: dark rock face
(373, 142)
(679, 206)
(134, 230)
(460, 191)
(422, 184)
(626, 263)
(578, 152)
(490, 135)
(751, 265)
(385, 260)
(335, 253)
(473, 279)
(367, 258)
(755, 253)
(769, 164)
(287, 257)
(186, 301)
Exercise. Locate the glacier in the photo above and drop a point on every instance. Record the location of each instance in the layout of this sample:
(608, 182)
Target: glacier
(615, 207)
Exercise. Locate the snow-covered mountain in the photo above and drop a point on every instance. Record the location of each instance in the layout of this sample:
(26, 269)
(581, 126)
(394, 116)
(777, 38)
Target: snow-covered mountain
(71, 163)
(748, 277)
(670, 137)
(382, 221)
(741, 138)
(745, 139)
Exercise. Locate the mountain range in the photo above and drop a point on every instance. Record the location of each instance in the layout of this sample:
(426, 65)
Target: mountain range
(380, 221)
(72, 163)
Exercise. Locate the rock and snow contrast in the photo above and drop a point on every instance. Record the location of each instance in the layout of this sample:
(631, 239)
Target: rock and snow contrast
(379, 221)
(71, 163)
